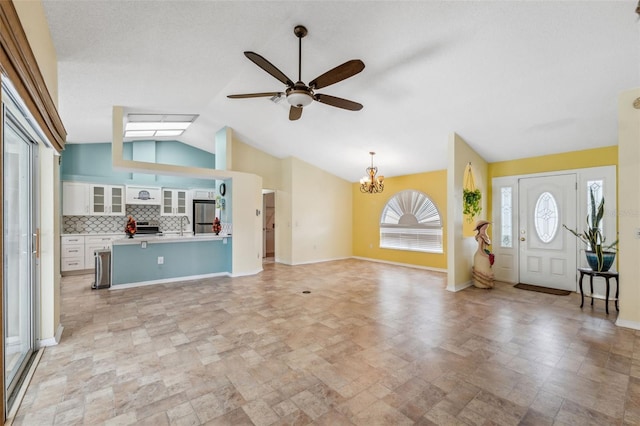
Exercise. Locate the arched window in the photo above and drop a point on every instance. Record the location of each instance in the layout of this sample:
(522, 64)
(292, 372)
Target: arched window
(410, 221)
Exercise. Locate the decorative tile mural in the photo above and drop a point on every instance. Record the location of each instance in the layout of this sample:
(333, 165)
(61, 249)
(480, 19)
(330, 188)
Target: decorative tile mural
(115, 224)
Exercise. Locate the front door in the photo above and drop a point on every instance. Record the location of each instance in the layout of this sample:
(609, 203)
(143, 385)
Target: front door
(547, 251)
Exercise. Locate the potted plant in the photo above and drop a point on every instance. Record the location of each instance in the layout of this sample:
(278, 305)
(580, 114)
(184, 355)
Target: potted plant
(471, 206)
(599, 256)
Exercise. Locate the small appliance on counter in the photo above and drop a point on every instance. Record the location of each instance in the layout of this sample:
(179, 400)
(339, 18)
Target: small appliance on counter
(151, 227)
(204, 213)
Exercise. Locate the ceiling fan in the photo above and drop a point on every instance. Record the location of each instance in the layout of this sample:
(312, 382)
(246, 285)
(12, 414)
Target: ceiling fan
(300, 95)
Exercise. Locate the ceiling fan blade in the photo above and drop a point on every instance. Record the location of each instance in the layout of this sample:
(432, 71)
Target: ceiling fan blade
(269, 67)
(337, 102)
(339, 73)
(255, 95)
(295, 113)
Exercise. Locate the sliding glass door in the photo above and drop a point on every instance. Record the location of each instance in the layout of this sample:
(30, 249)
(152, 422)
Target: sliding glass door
(20, 247)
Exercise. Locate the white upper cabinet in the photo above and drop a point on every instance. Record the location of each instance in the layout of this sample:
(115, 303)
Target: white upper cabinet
(107, 200)
(75, 199)
(175, 202)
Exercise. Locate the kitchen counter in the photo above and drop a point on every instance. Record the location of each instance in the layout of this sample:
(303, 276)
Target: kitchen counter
(169, 238)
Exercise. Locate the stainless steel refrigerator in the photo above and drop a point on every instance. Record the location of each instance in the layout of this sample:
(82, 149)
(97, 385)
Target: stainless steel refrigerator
(204, 212)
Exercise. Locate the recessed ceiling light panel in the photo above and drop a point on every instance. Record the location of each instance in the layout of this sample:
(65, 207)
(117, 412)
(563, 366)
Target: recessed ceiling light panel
(157, 125)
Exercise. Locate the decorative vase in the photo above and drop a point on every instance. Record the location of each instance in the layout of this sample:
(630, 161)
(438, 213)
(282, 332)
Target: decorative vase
(607, 260)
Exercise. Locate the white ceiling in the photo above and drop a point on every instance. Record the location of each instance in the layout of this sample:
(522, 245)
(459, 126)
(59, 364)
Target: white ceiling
(514, 79)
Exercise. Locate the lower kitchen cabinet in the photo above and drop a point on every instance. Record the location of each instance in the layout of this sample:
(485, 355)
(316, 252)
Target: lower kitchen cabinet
(77, 251)
(72, 253)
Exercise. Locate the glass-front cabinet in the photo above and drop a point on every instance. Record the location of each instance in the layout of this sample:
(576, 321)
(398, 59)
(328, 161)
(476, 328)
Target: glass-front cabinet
(107, 200)
(174, 202)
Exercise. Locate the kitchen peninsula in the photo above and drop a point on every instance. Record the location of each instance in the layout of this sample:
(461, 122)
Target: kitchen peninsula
(145, 260)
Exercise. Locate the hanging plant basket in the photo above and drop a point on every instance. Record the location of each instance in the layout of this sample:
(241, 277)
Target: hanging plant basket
(471, 197)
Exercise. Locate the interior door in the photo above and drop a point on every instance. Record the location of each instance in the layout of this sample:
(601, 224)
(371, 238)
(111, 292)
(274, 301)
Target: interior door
(547, 252)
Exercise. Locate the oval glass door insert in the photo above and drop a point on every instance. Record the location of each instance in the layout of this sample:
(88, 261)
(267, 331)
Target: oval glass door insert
(546, 217)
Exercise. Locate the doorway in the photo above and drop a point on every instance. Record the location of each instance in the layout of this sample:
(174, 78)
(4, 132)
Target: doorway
(547, 253)
(529, 241)
(268, 225)
(20, 246)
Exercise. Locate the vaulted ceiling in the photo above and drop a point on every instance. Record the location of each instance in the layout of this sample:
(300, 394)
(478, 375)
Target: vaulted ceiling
(514, 79)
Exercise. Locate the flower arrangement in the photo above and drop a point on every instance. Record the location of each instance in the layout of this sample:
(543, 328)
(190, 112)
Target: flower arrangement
(216, 226)
(130, 228)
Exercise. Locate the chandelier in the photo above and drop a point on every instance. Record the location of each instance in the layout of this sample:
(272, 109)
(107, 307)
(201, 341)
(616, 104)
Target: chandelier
(370, 183)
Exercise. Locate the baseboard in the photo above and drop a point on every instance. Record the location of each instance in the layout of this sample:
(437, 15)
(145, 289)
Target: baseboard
(408, 265)
(460, 286)
(168, 280)
(628, 324)
(52, 341)
(248, 273)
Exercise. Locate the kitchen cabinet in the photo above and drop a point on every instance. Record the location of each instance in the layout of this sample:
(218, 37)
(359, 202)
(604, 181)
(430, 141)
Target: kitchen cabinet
(77, 250)
(75, 199)
(175, 202)
(72, 253)
(145, 195)
(107, 200)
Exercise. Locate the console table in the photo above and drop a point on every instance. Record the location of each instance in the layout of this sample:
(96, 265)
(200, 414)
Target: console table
(606, 275)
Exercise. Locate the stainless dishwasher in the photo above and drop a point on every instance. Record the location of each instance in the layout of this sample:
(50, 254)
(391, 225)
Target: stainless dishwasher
(103, 268)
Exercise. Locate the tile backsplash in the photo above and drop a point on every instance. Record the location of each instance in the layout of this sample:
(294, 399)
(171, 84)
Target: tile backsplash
(115, 224)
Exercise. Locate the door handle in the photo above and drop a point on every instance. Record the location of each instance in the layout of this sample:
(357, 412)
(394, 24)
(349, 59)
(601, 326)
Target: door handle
(36, 237)
(522, 238)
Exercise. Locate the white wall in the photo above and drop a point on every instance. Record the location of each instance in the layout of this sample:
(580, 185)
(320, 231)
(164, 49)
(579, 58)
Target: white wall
(461, 249)
(629, 208)
(321, 215)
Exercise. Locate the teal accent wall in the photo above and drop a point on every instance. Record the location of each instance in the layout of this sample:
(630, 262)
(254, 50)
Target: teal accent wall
(180, 154)
(92, 162)
(133, 264)
(81, 160)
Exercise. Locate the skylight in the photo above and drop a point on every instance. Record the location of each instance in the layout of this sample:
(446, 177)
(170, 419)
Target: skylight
(157, 125)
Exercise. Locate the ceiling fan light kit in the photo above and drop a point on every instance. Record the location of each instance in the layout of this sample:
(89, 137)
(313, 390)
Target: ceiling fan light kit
(299, 95)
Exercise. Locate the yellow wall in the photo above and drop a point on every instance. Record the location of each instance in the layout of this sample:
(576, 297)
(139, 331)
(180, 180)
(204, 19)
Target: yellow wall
(596, 157)
(367, 210)
(566, 161)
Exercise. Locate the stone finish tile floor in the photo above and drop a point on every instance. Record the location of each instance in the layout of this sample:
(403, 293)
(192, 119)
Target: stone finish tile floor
(371, 344)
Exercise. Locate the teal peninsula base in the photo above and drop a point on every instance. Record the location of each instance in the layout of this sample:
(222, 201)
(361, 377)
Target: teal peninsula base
(155, 260)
